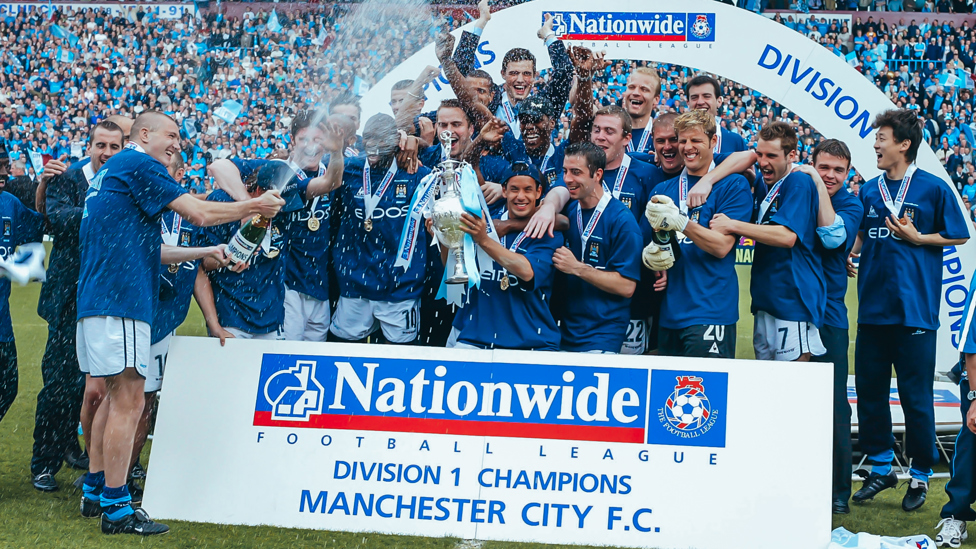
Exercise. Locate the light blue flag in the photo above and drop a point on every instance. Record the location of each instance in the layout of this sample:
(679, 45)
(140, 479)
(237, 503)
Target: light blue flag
(37, 160)
(229, 111)
(273, 24)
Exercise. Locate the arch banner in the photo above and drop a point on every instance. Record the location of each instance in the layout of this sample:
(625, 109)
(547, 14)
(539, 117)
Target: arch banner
(796, 72)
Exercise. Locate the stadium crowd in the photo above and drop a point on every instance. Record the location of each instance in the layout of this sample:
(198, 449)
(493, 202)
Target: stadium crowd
(614, 194)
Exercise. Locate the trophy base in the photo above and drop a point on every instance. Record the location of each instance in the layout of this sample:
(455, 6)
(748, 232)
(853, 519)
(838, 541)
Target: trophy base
(457, 280)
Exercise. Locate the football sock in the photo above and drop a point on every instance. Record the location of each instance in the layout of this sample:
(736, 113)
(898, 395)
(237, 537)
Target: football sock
(94, 483)
(920, 475)
(115, 502)
(881, 463)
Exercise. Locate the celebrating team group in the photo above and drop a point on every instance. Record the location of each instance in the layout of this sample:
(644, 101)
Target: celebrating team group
(618, 240)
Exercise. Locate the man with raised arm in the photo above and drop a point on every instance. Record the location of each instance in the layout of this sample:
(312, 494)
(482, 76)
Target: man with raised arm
(118, 282)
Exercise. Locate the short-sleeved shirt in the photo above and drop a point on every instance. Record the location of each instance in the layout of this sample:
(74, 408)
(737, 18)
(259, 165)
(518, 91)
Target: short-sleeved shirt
(364, 259)
(175, 289)
(703, 289)
(120, 237)
(849, 208)
(593, 319)
(899, 283)
(252, 300)
(788, 283)
(19, 226)
(517, 317)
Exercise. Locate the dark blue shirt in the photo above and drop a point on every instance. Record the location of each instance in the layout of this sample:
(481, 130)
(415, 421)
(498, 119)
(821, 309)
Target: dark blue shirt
(20, 226)
(120, 237)
(850, 210)
(900, 283)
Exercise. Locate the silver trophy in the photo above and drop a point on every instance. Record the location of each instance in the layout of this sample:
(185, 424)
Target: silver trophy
(447, 210)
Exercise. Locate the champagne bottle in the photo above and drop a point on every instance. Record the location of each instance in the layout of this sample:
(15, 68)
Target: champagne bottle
(248, 238)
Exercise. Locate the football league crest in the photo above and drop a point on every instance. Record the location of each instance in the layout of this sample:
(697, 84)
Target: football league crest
(910, 212)
(594, 251)
(7, 227)
(700, 28)
(401, 190)
(690, 408)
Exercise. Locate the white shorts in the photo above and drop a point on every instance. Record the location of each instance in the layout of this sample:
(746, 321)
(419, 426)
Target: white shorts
(107, 345)
(276, 335)
(306, 318)
(784, 340)
(636, 341)
(154, 373)
(355, 318)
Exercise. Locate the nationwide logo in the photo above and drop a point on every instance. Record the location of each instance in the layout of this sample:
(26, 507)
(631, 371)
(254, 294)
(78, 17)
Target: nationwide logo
(690, 408)
(634, 26)
(426, 396)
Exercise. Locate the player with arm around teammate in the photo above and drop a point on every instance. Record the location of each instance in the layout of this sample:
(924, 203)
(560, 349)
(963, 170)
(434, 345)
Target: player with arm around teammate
(118, 283)
(700, 307)
(787, 286)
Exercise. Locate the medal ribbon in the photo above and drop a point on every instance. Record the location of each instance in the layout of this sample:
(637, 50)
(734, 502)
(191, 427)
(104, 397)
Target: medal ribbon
(642, 144)
(134, 147)
(586, 233)
(514, 248)
(547, 158)
(508, 113)
(770, 196)
(894, 206)
(171, 238)
(683, 188)
(369, 200)
(618, 183)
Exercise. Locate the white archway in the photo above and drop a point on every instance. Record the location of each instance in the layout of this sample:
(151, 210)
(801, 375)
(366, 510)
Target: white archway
(747, 48)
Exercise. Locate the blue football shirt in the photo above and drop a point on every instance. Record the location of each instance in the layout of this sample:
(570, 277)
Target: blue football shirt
(364, 259)
(849, 208)
(175, 289)
(20, 226)
(517, 317)
(703, 289)
(594, 319)
(788, 283)
(120, 237)
(253, 300)
(900, 283)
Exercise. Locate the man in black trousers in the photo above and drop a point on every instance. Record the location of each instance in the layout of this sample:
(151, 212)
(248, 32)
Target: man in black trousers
(59, 402)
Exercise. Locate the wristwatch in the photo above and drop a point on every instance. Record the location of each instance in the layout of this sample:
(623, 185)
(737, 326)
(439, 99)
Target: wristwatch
(971, 395)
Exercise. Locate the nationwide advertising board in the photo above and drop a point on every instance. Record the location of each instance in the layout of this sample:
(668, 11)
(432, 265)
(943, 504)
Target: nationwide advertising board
(496, 445)
(742, 46)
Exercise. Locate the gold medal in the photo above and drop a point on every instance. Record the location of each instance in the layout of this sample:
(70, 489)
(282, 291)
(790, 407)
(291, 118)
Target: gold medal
(504, 283)
(173, 268)
(272, 253)
(313, 223)
(368, 224)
